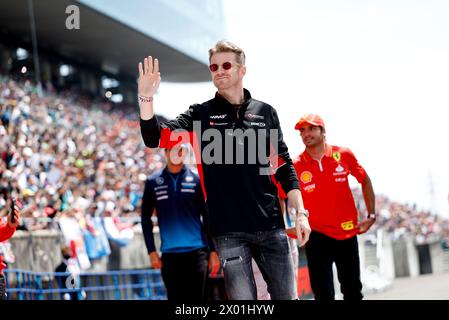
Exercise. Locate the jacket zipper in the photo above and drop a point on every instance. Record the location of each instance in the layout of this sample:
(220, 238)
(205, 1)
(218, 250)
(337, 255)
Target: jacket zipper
(174, 180)
(320, 164)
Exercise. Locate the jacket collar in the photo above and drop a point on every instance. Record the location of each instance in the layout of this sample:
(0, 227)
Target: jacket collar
(223, 102)
(183, 170)
(327, 153)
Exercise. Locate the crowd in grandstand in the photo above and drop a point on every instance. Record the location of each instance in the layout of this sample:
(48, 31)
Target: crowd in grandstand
(65, 154)
(399, 219)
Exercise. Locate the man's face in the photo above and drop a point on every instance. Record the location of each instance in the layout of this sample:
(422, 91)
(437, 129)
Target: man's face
(312, 135)
(225, 79)
(175, 156)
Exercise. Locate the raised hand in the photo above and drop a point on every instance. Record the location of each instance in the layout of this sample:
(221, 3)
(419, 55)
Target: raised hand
(149, 77)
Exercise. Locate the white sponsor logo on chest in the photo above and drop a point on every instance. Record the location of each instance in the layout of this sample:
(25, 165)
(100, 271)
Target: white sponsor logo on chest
(218, 116)
(339, 170)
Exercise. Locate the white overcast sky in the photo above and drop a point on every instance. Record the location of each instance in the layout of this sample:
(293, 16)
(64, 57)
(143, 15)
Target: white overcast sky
(376, 71)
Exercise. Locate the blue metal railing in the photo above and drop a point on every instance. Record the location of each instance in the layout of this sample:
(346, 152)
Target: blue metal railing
(111, 285)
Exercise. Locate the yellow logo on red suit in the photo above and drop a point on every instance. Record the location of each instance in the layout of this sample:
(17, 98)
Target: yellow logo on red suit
(336, 156)
(347, 225)
(306, 176)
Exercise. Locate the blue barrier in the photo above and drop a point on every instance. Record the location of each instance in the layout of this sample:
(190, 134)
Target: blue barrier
(111, 285)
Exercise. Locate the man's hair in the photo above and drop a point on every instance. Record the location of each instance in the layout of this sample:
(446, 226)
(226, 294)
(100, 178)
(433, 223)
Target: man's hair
(65, 249)
(226, 46)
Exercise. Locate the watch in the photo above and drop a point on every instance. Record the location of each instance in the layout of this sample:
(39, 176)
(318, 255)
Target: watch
(372, 215)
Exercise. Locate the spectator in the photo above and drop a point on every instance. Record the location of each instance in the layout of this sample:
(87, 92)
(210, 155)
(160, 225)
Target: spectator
(67, 277)
(6, 232)
(176, 196)
(323, 170)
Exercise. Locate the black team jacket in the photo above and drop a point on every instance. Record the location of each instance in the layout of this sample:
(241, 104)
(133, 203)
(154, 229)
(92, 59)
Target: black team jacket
(235, 144)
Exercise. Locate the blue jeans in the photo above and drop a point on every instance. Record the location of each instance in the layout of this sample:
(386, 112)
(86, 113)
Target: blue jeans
(272, 253)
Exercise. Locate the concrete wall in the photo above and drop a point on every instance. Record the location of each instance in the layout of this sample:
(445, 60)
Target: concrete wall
(377, 256)
(392, 258)
(36, 251)
(39, 251)
(439, 257)
(133, 256)
(386, 256)
(412, 256)
(406, 262)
